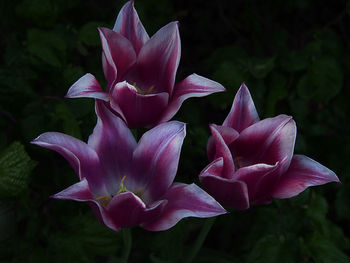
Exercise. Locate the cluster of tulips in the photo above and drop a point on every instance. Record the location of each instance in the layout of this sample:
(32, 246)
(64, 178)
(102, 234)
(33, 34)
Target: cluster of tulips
(129, 183)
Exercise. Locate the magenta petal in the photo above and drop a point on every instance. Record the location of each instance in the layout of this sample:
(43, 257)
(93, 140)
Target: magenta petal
(228, 135)
(243, 112)
(192, 86)
(77, 192)
(222, 150)
(156, 158)
(81, 157)
(129, 25)
(103, 216)
(158, 60)
(228, 192)
(128, 210)
(118, 55)
(138, 110)
(114, 144)
(184, 201)
(267, 141)
(260, 180)
(87, 87)
(302, 173)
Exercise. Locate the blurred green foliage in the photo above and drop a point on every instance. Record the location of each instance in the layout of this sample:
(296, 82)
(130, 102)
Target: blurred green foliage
(294, 57)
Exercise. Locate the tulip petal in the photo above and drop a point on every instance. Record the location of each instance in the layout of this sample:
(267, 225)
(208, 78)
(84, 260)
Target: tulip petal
(260, 180)
(228, 192)
(81, 157)
(78, 192)
(103, 216)
(228, 135)
(222, 150)
(192, 86)
(302, 173)
(138, 110)
(128, 210)
(129, 25)
(114, 144)
(118, 56)
(87, 87)
(158, 60)
(243, 112)
(156, 159)
(184, 201)
(268, 141)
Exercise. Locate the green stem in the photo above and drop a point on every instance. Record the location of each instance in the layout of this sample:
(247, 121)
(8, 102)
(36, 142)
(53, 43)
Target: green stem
(200, 239)
(127, 239)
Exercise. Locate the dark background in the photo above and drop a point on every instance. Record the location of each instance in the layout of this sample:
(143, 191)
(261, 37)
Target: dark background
(293, 56)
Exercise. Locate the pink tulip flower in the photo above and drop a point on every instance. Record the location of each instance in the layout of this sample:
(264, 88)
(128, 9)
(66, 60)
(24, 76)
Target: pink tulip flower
(128, 183)
(140, 73)
(252, 160)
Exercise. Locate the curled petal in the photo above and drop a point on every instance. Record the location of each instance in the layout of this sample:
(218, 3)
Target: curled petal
(128, 210)
(260, 180)
(192, 86)
(81, 157)
(87, 87)
(114, 144)
(243, 112)
(267, 141)
(102, 215)
(129, 25)
(228, 135)
(302, 173)
(77, 192)
(138, 110)
(184, 201)
(118, 55)
(222, 150)
(156, 158)
(228, 192)
(158, 60)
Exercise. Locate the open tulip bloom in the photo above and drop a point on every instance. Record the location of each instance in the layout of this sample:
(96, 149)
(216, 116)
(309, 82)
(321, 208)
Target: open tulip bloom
(140, 73)
(252, 160)
(129, 183)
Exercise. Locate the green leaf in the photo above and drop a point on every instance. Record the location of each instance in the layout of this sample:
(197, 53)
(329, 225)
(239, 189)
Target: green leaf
(15, 167)
(260, 67)
(323, 80)
(46, 45)
(89, 34)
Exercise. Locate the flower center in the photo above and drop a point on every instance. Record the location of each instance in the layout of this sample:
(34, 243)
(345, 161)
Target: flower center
(140, 91)
(104, 200)
(238, 162)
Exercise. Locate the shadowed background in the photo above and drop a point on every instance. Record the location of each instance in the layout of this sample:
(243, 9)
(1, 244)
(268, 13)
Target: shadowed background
(293, 56)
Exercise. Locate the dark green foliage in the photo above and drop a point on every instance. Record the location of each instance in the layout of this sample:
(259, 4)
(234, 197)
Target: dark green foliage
(293, 56)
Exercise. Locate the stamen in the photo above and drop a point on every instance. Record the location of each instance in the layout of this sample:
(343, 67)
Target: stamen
(237, 163)
(103, 200)
(122, 188)
(149, 90)
(137, 88)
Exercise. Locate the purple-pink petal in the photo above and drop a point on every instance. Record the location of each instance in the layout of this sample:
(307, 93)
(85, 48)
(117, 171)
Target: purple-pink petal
(158, 60)
(118, 56)
(81, 157)
(243, 112)
(267, 141)
(192, 86)
(78, 192)
(139, 110)
(87, 87)
(228, 192)
(129, 25)
(184, 201)
(114, 144)
(128, 210)
(103, 216)
(228, 134)
(222, 150)
(156, 159)
(302, 173)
